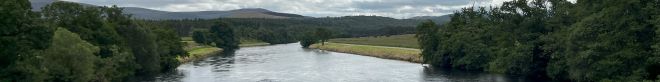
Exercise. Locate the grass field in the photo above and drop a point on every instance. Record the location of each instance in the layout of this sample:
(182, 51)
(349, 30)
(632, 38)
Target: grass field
(406, 41)
(397, 53)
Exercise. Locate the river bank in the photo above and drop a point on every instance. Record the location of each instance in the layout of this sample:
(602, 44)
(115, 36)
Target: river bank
(196, 51)
(291, 63)
(405, 41)
(396, 53)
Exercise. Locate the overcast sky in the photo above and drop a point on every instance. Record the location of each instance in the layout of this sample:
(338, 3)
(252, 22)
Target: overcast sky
(315, 8)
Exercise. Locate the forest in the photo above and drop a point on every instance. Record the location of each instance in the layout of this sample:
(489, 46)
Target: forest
(258, 28)
(583, 41)
(70, 42)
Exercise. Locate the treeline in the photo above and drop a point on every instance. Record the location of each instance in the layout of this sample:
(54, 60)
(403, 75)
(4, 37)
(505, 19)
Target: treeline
(349, 26)
(68, 42)
(319, 35)
(590, 40)
(219, 35)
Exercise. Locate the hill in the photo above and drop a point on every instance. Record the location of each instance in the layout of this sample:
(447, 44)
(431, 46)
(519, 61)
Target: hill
(150, 14)
(437, 19)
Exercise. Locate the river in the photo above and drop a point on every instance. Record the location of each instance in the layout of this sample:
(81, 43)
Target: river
(290, 63)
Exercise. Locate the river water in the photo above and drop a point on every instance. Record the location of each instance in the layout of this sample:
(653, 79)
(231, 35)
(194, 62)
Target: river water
(290, 63)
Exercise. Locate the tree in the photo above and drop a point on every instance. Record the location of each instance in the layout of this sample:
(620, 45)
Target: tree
(169, 47)
(88, 22)
(69, 59)
(20, 33)
(323, 35)
(609, 42)
(308, 38)
(223, 36)
(426, 34)
(591, 40)
(200, 37)
(142, 43)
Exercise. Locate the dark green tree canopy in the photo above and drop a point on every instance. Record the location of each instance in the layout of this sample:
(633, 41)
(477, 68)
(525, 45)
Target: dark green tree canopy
(223, 36)
(591, 40)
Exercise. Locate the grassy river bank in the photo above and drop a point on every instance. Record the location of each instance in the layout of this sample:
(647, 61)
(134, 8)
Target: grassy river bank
(396, 53)
(197, 51)
(397, 47)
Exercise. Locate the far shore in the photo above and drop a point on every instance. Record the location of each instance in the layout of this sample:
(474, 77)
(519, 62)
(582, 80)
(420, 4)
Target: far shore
(396, 53)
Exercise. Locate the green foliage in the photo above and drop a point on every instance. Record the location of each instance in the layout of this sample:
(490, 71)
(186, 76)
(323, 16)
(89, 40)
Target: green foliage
(286, 30)
(223, 36)
(69, 59)
(273, 36)
(591, 40)
(169, 47)
(20, 34)
(323, 35)
(86, 21)
(98, 44)
(615, 50)
(462, 43)
(200, 37)
(427, 38)
(308, 38)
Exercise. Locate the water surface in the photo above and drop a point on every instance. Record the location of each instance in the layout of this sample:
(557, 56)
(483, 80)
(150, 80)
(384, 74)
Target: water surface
(290, 63)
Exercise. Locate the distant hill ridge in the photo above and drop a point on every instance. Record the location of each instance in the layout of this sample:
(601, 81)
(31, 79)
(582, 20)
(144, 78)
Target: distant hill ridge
(150, 14)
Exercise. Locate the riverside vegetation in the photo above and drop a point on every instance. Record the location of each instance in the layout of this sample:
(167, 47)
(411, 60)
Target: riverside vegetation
(404, 54)
(586, 41)
(69, 42)
(397, 47)
(406, 41)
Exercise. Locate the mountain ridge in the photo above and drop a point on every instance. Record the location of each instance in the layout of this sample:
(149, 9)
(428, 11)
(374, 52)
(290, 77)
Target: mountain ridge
(151, 14)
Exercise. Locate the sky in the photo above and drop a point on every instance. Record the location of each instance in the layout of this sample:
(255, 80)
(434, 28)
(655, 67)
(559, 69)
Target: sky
(315, 8)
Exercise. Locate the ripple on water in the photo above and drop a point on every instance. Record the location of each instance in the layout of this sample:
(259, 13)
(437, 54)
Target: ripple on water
(290, 63)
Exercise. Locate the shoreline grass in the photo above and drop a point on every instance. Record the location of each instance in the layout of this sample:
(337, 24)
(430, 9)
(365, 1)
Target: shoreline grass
(197, 51)
(396, 53)
(406, 41)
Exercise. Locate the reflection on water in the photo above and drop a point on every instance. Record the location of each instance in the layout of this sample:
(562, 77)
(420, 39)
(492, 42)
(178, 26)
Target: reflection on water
(290, 63)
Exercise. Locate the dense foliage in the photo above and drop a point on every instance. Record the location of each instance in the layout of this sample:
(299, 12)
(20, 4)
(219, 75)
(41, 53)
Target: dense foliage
(278, 31)
(590, 40)
(69, 42)
(20, 35)
(310, 37)
(220, 35)
(223, 36)
(307, 39)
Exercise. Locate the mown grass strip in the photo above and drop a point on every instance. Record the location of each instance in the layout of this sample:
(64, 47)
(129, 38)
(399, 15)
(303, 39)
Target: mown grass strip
(407, 41)
(396, 53)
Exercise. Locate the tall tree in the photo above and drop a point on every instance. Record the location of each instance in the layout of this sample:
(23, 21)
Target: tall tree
(308, 38)
(608, 43)
(200, 37)
(323, 35)
(20, 33)
(426, 34)
(68, 59)
(223, 36)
